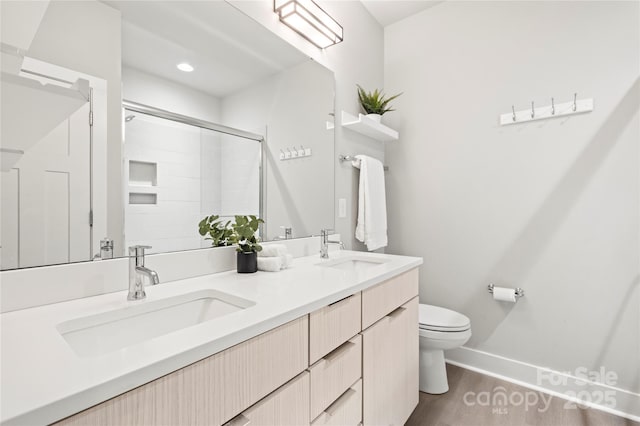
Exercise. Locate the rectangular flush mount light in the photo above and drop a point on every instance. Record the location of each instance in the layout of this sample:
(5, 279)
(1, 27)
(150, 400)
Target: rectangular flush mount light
(310, 21)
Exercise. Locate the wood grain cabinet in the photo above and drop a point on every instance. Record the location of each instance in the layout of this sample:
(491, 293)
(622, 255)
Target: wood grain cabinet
(332, 325)
(333, 374)
(288, 406)
(335, 355)
(390, 351)
(345, 411)
(214, 390)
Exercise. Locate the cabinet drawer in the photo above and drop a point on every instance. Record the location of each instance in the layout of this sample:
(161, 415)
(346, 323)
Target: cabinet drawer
(378, 301)
(334, 374)
(332, 325)
(214, 390)
(345, 411)
(289, 405)
(390, 361)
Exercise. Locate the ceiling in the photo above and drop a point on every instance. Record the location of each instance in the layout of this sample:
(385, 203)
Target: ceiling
(388, 12)
(228, 50)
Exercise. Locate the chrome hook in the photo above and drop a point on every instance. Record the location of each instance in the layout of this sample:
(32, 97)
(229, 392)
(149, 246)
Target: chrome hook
(533, 110)
(553, 107)
(514, 113)
(575, 102)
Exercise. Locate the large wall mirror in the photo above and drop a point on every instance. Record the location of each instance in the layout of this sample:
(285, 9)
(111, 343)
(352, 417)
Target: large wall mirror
(103, 136)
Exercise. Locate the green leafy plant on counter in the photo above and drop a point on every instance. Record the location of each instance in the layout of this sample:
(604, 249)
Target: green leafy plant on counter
(375, 102)
(244, 233)
(219, 232)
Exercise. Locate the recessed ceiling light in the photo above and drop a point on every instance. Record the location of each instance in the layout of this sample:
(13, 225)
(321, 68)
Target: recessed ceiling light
(185, 67)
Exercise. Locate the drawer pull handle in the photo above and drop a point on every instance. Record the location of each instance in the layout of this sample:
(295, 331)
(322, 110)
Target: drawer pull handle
(341, 300)
(338, 352)
(239, 420)
(396, 313)
(342, 399)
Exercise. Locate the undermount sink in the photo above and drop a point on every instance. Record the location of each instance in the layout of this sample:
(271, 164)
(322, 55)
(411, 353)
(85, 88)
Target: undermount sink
(109, 331)
(353, 264)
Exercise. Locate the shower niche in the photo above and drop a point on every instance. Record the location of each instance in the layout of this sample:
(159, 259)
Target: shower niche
(143, 181)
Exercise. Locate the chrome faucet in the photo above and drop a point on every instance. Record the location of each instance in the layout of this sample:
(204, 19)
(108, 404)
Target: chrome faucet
(324, 243)
(136, 272)
(106, 249)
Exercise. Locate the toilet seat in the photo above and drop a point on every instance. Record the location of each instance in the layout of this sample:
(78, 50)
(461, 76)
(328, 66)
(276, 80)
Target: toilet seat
(435, 318)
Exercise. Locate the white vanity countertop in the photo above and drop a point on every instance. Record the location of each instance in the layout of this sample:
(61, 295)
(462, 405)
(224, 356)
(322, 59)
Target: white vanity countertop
(43, 380)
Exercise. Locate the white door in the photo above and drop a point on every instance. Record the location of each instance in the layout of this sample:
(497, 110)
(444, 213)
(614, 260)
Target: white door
(46, 199)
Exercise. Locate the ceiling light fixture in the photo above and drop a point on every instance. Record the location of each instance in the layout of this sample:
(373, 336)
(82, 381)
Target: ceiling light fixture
(310, 21)
(185, 67)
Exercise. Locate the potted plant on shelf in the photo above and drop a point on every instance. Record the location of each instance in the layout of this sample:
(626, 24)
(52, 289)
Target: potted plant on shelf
(375, 103)
(219, 232)
(244, 235)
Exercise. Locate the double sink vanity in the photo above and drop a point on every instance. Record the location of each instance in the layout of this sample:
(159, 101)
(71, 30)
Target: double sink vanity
(326, 342)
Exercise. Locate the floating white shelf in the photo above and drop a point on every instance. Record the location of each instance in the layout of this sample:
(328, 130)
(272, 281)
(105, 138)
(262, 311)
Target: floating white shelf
(366, 126)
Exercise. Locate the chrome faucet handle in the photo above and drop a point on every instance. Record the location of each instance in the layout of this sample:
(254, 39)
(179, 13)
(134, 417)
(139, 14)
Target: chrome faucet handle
(138, 250)
(324, 232)
(106, 243)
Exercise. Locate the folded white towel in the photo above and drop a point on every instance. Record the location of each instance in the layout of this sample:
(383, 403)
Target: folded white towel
(371, 227)
(288, 261)
(273, 250)
(270, 264)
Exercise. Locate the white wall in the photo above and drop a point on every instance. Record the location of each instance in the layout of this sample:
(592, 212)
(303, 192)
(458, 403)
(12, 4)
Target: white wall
(549, 206)
(290, 113)
(84, 36)
(148, 89)
(357, 60)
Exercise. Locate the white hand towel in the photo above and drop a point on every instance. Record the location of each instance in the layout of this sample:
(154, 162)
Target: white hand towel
(270, 264)
(371, 228)
(273, 250)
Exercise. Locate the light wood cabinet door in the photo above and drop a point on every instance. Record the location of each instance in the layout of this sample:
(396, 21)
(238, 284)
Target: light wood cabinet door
(211, 391)
(390, 367)
(383, 298)
(333, 374)
(288, 406)
(332, 325)
(345, 411)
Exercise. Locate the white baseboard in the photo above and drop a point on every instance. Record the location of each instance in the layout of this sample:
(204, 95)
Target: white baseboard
(576, 389)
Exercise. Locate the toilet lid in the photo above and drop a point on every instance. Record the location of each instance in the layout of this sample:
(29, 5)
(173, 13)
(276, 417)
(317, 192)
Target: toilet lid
(441, 319)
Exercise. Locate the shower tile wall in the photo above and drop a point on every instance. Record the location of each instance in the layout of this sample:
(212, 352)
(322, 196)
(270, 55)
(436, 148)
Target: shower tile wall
(171, 224)
(240, 176)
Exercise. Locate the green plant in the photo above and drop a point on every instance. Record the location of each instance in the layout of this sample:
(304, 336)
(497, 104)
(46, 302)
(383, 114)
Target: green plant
(219, 232)
(244, 233)
(375, 102)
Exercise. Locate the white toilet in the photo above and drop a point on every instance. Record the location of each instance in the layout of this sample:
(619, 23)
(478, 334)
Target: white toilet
(440, 329)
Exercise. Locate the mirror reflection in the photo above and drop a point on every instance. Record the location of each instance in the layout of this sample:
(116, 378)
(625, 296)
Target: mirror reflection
(176, 173)
(86, 169)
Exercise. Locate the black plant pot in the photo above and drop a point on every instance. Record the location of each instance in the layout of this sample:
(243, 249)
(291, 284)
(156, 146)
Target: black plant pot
(247, 262)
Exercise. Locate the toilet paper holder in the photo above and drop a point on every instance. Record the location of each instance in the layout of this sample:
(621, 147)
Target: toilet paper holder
(519, 291)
